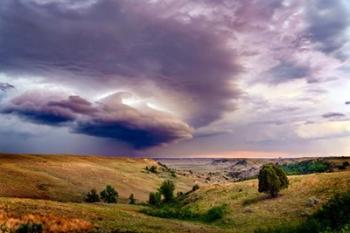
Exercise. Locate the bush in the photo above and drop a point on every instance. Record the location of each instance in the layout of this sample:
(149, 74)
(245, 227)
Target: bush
(215, 213)
(167, 190)
(30, 228)
(132, 200)
(109, 195)
(306, 167)
(179, 194)
(172, 212)
(195, 187)
(153, 169)
(272, 179)
(92, 196)
(186, 213)
(154, 199)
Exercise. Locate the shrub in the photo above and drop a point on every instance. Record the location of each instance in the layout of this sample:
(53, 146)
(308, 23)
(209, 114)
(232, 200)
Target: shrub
(306, 167)
(215, 213)
(153, 169)
(173, 173)
(132, 200)
(154, 199)
(109, 195)
(195, 187)
(346, 164)
(172, 212)
(186, 213)
(272, 179)
(92, 196)
(30, 228)
(179, 194)
(167, 190)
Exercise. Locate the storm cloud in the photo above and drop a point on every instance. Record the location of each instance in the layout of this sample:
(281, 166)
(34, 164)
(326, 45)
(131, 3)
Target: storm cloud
(211, 74)
(108, 118)
(124, 43)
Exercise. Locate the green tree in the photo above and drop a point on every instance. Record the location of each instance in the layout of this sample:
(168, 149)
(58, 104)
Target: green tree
(154, 199)
(109, 195)
(132, 200)
(167, 190)
(92, 196)
(272, 179)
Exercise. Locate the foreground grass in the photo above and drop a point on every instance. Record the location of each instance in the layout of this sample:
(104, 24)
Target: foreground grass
(78, 217)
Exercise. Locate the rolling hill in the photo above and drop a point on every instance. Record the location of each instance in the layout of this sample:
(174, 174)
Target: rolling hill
(33, 188)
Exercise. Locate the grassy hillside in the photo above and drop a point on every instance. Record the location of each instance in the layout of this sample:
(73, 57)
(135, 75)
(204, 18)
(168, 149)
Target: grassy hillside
(67, 178)
(248, 209)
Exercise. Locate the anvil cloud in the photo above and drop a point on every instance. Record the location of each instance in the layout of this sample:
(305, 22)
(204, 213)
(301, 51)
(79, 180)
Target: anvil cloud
(170, 77)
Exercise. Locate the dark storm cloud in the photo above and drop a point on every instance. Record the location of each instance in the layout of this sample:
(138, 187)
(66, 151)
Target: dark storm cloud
(35, 109)
(328, 21)
(109, 118)
(333, 115)
(124, 42)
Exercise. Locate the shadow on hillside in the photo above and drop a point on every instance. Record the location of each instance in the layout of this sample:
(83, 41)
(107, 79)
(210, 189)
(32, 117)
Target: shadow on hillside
(254, 200)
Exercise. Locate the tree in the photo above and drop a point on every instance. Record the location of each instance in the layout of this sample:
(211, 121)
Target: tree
(195, 187)
(153, 169)
(92, 196)
(132, 200)
(167, 190)
(109, 195)
(154, 199)
(272, 179)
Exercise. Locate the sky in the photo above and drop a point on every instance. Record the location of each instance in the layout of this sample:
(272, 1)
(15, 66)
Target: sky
(175, 78)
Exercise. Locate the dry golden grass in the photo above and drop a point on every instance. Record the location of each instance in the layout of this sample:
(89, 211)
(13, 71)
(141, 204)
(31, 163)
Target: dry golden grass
(67, 178)
(50, 223)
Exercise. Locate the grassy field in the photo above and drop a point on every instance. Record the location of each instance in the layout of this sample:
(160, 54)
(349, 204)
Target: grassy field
(61, 178)
(67, 178)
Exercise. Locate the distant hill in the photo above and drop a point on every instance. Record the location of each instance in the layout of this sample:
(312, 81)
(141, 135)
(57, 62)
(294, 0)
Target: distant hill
(222, 170)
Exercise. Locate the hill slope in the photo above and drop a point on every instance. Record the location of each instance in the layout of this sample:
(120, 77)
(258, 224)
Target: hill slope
(67, 178)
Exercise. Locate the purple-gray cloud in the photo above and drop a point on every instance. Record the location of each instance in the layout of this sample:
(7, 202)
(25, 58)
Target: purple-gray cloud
(109, 118)
(186, 63)
(287, 71)
(6, 86)
(328, 21)
(333, 115)
(126, 43)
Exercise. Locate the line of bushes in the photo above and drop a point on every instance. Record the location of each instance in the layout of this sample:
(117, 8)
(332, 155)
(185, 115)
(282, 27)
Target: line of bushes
(185, 213)
(306, 167)
(108, 195)
(334, 216)
(164, 204)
